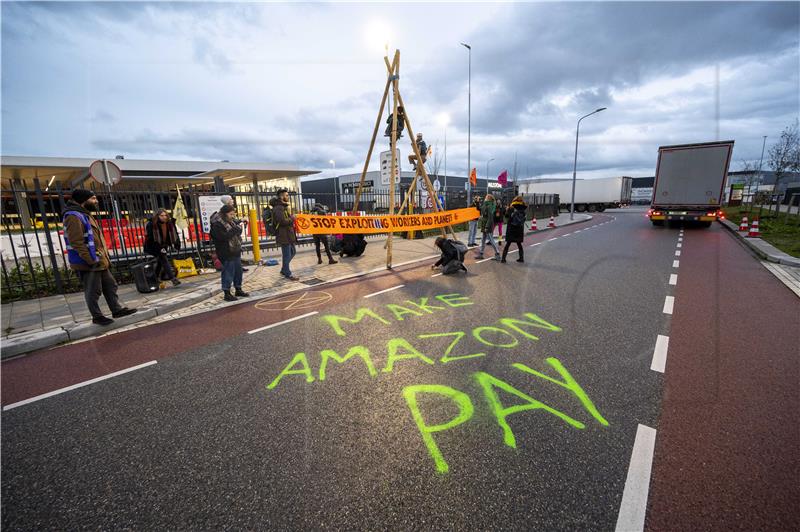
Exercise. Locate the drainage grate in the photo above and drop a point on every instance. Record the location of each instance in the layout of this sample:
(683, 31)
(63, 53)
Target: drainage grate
(312, 281)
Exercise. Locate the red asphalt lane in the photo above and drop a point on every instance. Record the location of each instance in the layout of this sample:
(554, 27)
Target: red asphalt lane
(728, 442)
(47, 370)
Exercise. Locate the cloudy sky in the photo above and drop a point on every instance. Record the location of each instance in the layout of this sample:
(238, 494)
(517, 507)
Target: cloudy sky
(301, 83)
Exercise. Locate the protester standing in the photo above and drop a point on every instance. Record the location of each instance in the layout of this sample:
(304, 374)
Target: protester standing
(161, 236)
(515, 231)
(473, 224)
(88, 256)
(285, 237)
(499, 215)
(487, 226)
(322, 210)
(227, 236)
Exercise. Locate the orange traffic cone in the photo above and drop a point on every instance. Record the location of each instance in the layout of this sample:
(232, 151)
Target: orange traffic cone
(552, 223)
(743, 224)
(533, 224)
(754, 230)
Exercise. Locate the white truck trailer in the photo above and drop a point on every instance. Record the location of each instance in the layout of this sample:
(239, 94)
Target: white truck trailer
(689, 182)
(590, 194)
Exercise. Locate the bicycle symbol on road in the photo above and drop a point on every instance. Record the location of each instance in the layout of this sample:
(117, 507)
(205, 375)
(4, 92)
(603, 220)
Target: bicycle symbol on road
(295, 301)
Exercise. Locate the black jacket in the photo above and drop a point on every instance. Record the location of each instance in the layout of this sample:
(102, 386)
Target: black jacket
(227, 238)
(152, 241)
(449, 253)
(515, 233)
(281, 213)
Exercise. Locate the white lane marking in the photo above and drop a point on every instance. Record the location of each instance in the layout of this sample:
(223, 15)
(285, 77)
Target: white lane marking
(437, 274)
(554, 238)
(680, 245)
(680, 239)
(79, 385)
(673, 279)
(677, 253)
(383, 291)
(282, 322)
(676, 263)
(634, 497)
(484, 260)
(536, 244)
(669, 304)
(660, 354)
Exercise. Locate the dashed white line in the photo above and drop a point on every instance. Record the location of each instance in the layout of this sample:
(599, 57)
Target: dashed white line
(676, 263)
(536, 244)
(634, 497)
(484, 260)
(554, 238)
(383, 291)
(270, 326)
(680, 239)
(79, 385)
(660, 354)
(677, 253)
(673, 279)
(680, 245)
(437, 274)
(669, 303)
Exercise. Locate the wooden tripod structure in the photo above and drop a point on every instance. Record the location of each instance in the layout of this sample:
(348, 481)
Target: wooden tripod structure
(392, 78)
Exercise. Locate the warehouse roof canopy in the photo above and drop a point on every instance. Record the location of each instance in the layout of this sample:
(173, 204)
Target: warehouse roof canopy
(70, 172)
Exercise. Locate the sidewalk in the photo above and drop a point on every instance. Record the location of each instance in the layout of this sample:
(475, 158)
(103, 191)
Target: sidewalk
(39, 323)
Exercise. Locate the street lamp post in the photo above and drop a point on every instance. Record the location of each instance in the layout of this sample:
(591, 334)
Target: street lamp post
(487, 174)
(336, 185)
(444, 119)
(575, 163)
(469, 123)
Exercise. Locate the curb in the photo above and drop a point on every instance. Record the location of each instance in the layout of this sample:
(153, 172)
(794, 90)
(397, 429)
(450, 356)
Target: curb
(762, 248)
(56, 336)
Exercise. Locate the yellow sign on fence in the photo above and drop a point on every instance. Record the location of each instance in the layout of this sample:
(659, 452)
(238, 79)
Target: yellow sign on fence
(314, 225)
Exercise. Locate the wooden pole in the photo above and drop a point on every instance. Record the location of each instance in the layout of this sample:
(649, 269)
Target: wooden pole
(372, 142)
(393, 75)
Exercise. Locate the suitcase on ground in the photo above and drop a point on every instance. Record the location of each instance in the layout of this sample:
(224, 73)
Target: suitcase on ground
(144, 275)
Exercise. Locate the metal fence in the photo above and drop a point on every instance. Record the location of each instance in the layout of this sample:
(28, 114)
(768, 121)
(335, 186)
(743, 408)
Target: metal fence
(34, 260)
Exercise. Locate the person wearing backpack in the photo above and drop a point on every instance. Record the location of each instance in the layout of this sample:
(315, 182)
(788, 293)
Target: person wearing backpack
(487, 226)
(515, 231)
(452, 259)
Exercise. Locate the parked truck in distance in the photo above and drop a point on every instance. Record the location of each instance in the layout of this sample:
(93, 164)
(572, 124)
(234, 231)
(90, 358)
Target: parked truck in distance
(590, 194)
(689, 182)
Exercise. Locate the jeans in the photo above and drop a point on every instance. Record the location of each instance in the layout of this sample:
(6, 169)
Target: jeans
(287, 252)
(232, 273)
(490, 238)
(473, 228)
(99, 282)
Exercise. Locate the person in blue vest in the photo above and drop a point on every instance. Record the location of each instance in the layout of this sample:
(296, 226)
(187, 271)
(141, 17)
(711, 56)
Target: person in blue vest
(88, 256)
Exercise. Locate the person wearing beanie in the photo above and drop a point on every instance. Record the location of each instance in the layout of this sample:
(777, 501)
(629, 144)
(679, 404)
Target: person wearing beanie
(88, 256)
(227, 236)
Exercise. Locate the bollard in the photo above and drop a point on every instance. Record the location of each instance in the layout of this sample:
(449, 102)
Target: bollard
(254, 236)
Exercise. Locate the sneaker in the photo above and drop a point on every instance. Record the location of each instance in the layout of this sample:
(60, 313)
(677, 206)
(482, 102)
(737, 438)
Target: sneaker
(293, 278)
(520, 260)
(229, 296)
(175, 282)
(504, 260)
(245, 269)
(124, 311)
(319, 261)
(479, 256)
(497, 257)
(333, 261)
(241, 293)
(102, 320)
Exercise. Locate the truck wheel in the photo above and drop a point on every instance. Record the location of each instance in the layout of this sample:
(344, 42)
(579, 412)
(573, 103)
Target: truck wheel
(601, 207)
(592, 207)
(657, 222)
(580, 207)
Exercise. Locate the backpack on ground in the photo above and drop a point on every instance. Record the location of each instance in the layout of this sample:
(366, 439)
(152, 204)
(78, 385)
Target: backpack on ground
(517, 218)
(461, 248)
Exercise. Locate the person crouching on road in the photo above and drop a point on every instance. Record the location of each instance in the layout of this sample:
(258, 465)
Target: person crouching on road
(160, 237)
(515, 228)
(88, 256)
(487, 226)
(450, 260)
(227, 236)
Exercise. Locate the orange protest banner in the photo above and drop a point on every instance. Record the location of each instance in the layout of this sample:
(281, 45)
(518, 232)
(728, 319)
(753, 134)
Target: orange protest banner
(311, 224)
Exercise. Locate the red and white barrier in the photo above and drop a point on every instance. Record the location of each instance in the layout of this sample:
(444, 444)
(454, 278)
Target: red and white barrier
(754, 232)
(552, 223)
(533, 224)
(743, 224)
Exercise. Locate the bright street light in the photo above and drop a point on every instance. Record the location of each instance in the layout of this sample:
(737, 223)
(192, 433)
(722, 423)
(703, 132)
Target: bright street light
(575, 163)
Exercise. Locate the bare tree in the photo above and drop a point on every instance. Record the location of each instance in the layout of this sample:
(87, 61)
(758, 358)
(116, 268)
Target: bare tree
(784, 155)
